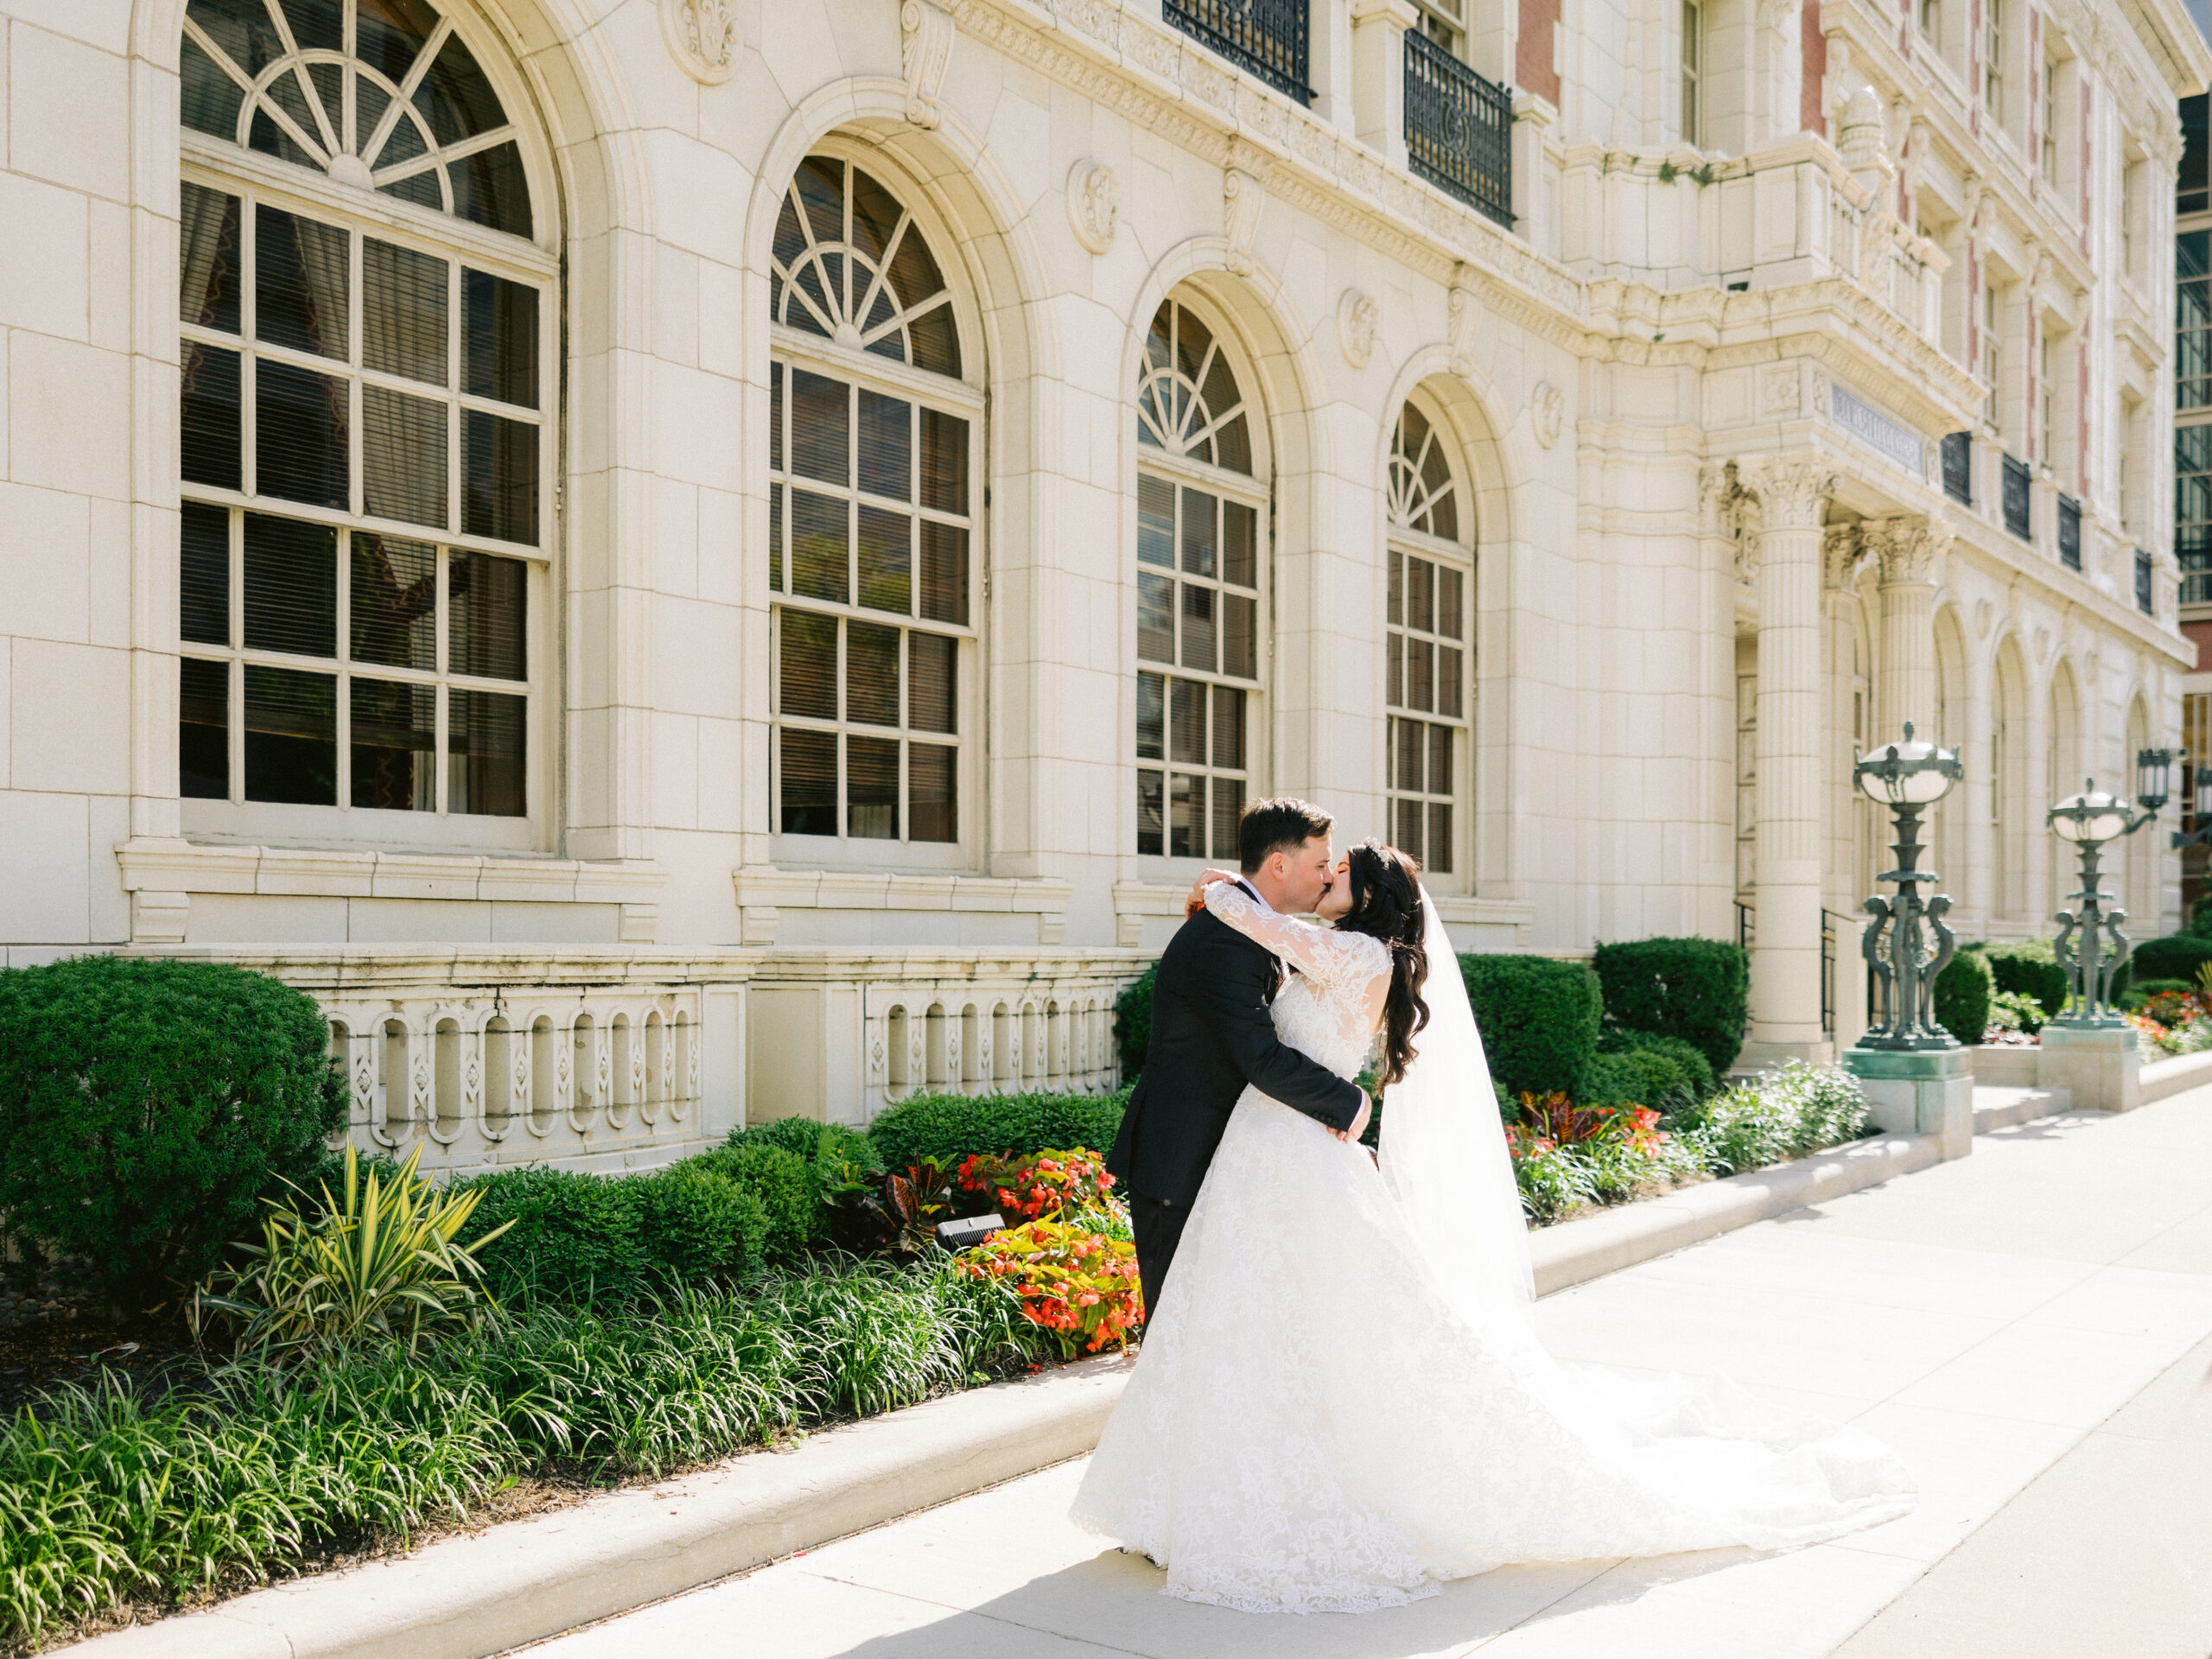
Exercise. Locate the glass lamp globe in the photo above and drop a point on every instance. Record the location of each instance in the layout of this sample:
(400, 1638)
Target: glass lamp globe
(2091, 816)
(1911, 773)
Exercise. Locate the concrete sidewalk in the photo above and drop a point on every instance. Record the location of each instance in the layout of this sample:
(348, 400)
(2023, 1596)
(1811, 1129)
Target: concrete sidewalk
(1988, 1317)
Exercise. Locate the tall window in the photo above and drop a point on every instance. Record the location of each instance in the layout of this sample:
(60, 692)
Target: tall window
(2192, 319)
(1931, 23)
(367, 474)
(2193, 511)
(1991, 353)
(1445, 21)
(1992, 61)
(1431, 583)
(2046, 405)
(870, 519)
(1693, 72)
(2049, 122)
(1199, 556)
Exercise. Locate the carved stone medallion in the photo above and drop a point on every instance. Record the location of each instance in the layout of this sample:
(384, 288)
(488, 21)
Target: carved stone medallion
(701, 36)
(1094, 204)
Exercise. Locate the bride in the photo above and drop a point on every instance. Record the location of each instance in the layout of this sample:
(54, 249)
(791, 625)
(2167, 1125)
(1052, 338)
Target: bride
(1341, 1402)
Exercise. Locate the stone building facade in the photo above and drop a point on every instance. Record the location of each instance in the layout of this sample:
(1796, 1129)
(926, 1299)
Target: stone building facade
(690, 560)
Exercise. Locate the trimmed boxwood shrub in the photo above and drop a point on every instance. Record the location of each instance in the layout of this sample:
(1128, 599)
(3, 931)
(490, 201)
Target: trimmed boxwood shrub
(694, 1223)
(1637, 1077)
(1133, 1023)
(579, 1237)
(2200, 919)
(1696, 990)
(1962, 993)
(2177, 957)
(816, 1143)
(783, 1182)
(1539, 1020)
(948, 1127)
(1687, 1055)
(2031, 966)
(147, 1106)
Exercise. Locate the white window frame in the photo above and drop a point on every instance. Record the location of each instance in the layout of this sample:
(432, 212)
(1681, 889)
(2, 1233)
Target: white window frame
(1458, 554)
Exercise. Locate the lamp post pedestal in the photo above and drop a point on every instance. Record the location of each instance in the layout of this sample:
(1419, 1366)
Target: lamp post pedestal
(2098, 1065)
(1919, 1091)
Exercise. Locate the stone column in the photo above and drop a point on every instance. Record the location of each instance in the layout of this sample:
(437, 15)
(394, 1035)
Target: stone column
(1792, 491)
(1844, 551)
(1378, 74)
(1907, 549)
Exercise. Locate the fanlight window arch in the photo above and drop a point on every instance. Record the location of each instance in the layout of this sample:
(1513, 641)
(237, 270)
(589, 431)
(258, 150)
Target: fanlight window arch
(1424, 491)
(1188, 400)
(380, 95)
(851, 265)
(1428, 688)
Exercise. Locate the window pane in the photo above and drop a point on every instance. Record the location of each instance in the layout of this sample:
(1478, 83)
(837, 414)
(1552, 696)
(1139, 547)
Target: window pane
(886, 561)
(1155, 617)
(886, 446)
(1420, 595)
(204, 561)
(1421, 674)
(1151, 717)
(456, 97)
(1186, 722)
(499, 339)
(485, 610)
(208, 257)
(1228, 800)
(1233, 446)
(1409, 815)
(499, 480)
(299, 283)
(403, 458)
(1451, 682)
(809, 783)
(1151, 830)
(1155, 522)
(775, 417)
(1398, 607)
(1394, 691)
(485, 742)
(1186, 815)
(821, 418)
(403, 312)
(299, 445)
(395, 745)
(932, 809)
(1198, 628)
(1228, 729)
(1201, 515)
(871, 674)
(1412, 743)
(395, 601)
(212, 451)
(1449, 585)
(203, 747)
(807, 683)
(1240, 636)
(1390, 756)
(931, 705)
(1439, 838)
(871, 788)
(1439, 760)
(1240, 540)
(291, 590)
(776, 538)
(291, 736)
(945, 462)
(944, 573)
(211, 98)
(490, 188)
(821, 564)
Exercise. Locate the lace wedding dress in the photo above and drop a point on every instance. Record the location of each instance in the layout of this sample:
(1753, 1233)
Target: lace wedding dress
(1318, 1421)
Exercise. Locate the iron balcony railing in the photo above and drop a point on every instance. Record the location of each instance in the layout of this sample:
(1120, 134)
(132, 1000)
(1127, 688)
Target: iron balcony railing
(1458, 129)
(1958, 468)
(2070, 533)
(2143, 599)
(1268, 38)
(2015, 499)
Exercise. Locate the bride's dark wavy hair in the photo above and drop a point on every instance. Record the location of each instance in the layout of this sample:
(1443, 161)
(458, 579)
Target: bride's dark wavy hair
(1386, 903)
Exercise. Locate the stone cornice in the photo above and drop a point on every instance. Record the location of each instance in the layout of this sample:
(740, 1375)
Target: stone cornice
(331, 971)
(292, 872)
(764, 892)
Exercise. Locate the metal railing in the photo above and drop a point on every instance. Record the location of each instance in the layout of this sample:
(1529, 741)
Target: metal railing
(2070, 533)
(1958, 468)
(2144, 602)
(1268, 38)
(2015, 499)
(1458, 129)
(1827, 973)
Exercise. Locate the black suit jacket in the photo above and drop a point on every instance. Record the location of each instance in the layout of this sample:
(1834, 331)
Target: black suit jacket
(1212, 1035)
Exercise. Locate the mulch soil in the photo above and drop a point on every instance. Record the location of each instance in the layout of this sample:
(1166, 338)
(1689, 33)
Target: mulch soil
(52, 1333)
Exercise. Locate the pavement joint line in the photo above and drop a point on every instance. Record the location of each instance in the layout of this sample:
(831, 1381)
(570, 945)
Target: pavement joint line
(1567, 1594)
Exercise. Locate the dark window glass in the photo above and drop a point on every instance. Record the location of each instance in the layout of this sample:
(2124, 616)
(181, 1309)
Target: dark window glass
(1151, 717)
(886, 446)
(1201, 512)
(484, 752)
(204, 559)
(1155, 522)
(499, 343)
(932, 664)
(808, 783)
(1240, 636)
(394, 596)
(944, 573)
(299, 283)
(403, 312)
(872, 674)
(1438, 855)
(1151, 814)
(886, 560)
(1186, 815)
(404, 459)
(1155, 617)
(932, 802)
(1198, 628)
(204, 730)
(776, 538)
(212, 451)
(388, 34)
(775, 417)
(490, 188)
(821, 428)
(291, 591)
(291, 735)
(299, 446)
(207, 246)
(1228, 729)
(454, 97)
(1227, 798)
(499, 488)
(821, 568)
(1186, 722)
(394, 746)
(871, 788)
(1239, 544)
(2189, 184)
(485, 611)
(945, 462)
(807, 684)
(211, 99)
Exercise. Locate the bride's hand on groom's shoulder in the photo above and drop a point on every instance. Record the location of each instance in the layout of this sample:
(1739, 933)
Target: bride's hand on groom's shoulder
(1197, 900)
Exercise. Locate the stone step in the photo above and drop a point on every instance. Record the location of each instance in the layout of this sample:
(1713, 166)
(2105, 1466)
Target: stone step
(1999, 1108)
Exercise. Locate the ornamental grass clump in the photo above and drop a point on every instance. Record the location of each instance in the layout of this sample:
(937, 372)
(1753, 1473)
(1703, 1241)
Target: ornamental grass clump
(1078, 1284)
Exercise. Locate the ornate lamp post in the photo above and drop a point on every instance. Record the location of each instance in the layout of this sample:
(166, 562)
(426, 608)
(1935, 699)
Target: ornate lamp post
(1908, 777)
(2090, 820)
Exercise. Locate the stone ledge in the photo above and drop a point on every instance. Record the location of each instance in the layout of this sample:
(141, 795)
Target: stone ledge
(764, 891)
(2164, 1077)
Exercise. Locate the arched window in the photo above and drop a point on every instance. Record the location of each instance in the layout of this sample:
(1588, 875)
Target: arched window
(1200, 514)
(872, 440)
(1429, 665)
(367, 349)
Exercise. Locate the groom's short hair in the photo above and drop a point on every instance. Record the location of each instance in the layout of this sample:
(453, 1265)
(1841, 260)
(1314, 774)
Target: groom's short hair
(1284, 823)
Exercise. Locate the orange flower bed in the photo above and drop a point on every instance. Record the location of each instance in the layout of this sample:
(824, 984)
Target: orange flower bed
(1081, 1286)
(1037, 1185)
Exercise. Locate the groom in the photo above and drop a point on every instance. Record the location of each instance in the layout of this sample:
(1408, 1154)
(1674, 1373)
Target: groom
(1211, 1035)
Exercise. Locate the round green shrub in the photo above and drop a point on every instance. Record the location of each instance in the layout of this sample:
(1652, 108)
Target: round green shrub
(2030, 966)
(1538, 1017)
(1133, 1023)
(2017, 1011)
(574, 1237)
(1616, 1039)
(693, 1223)
(1962, 993)
(1637, 1077)
(2177, 957)
(784, 1184)
(819, 1144)
(147, 1106)
(947, 1128)
(2200, 919)
(1696, 990)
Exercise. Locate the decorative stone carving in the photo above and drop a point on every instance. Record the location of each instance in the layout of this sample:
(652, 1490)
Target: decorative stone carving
(1779, 392)
(1985, 614)
(924, 47)
(1243, 193)
(1791, 488)
(1843, 551)
(701, 36)
(1910, 547)
(1358, 317)
(1463, 314)
(1548, 409)
(1094, 204)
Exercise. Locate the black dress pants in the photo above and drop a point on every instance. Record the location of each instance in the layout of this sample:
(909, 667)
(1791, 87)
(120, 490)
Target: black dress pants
(1157, 1224)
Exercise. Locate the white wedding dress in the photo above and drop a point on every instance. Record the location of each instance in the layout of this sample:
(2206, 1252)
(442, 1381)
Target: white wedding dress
(1318, 1421)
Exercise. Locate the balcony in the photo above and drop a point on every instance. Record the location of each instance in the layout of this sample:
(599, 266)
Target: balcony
(2070, 533)
(1958, 468)
(1458, 129)
(2015, 499)
(1267, 38)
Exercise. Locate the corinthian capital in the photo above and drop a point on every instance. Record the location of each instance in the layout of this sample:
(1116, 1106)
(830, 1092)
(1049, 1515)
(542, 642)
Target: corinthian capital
(1843, 550)
(1791, 489)
(1908, 547)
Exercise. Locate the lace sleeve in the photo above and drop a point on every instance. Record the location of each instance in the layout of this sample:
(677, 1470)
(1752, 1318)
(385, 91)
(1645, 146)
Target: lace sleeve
(1344, 960)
